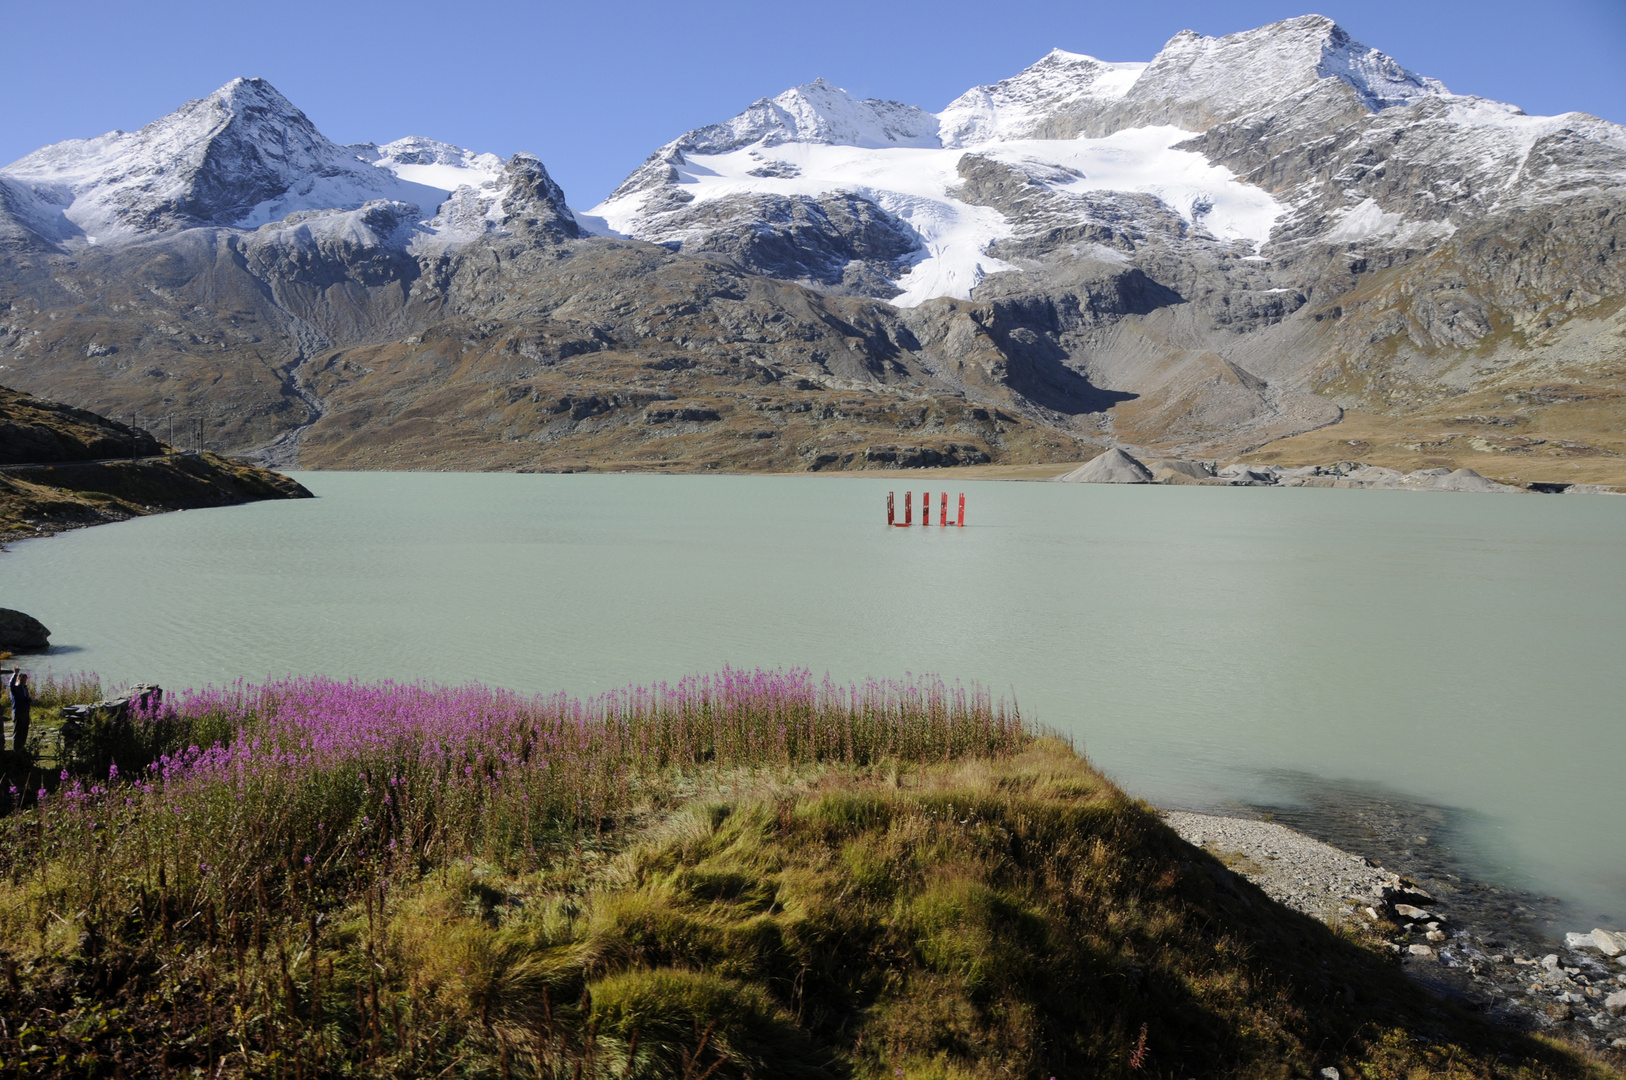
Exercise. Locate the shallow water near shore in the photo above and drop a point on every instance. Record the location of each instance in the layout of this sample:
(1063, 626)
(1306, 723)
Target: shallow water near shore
(1208, 647)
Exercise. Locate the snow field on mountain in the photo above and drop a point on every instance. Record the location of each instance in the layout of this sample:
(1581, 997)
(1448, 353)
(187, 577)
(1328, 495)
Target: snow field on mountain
(342, 191)
(435, 164)
(919, 185)
(1144, 160)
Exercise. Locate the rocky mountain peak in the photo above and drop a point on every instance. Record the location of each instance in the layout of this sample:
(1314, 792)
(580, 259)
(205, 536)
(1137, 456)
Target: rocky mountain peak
(533, 202)
(242, 157)
(1043, 101)
(1196, 81)
(817, 112)
(209, 162)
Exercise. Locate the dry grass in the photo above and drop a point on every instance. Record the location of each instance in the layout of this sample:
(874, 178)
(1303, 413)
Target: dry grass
(1566, 442)
(36, 502)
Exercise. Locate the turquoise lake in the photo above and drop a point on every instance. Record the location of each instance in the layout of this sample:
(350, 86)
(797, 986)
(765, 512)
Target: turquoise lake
(1205, 646)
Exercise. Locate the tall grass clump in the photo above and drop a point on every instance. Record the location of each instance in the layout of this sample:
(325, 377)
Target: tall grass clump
(254, 791)
(241, 818)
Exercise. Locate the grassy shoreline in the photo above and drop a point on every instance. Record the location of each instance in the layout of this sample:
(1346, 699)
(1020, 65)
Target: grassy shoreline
(750, 874)
(66, 495)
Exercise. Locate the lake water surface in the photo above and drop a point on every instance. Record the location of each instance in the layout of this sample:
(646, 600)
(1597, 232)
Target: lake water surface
(1205, 646)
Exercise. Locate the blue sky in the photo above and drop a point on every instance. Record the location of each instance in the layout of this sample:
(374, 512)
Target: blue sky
(592, 88)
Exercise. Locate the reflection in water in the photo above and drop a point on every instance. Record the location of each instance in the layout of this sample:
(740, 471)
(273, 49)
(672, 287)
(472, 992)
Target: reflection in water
(1461, 650)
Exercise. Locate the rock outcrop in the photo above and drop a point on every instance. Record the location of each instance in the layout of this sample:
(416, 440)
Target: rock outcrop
(20, 631)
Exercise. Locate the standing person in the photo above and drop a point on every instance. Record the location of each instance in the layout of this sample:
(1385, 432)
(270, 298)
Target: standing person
(21, 702)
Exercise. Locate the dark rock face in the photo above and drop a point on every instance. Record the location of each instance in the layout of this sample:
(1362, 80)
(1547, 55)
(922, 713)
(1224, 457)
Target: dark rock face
(325, 249)
(535, 205)
(19, 631)
(33, 430)
(255, 146)
(841, 241)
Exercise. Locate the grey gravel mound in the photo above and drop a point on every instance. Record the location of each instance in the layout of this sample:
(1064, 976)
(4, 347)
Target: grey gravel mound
(1375, 474)
(1452, 480)
(1355, 474)
(1112, 467)
(1178, 471)
(1243, 475)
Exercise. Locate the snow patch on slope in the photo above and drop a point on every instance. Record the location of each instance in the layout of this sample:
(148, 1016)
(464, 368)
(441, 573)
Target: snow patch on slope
(918, 186)
(435, 164)
(1366, 221)
(1145, 161)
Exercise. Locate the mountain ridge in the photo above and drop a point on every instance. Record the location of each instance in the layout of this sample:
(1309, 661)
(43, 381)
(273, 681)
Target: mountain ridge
(1233, 243)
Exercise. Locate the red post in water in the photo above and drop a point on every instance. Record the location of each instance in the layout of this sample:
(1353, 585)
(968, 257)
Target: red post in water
(890, 513)
(961, 522)
(925, 508)
(942, 513)
(908, 509)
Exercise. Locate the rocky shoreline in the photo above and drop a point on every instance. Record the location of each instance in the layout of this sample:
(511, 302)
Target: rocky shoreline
(1484, 948)
(1117, 466)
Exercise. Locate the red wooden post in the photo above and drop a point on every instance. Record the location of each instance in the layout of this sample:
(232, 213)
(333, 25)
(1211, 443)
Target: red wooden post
(961, 522)
(925, 508)
(942, 513)
(908, 509)
(890, 514)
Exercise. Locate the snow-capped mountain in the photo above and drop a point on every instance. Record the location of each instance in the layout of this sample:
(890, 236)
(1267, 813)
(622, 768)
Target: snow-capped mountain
(872, 197)
(1221, 246)
(240, 158)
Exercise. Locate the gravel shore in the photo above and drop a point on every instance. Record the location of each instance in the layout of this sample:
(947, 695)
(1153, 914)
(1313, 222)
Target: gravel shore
(1293, 869)
(1496, 965)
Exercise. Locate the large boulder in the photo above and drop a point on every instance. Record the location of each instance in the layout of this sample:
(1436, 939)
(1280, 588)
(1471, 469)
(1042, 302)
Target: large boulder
(19, 631)
(1112, 467)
